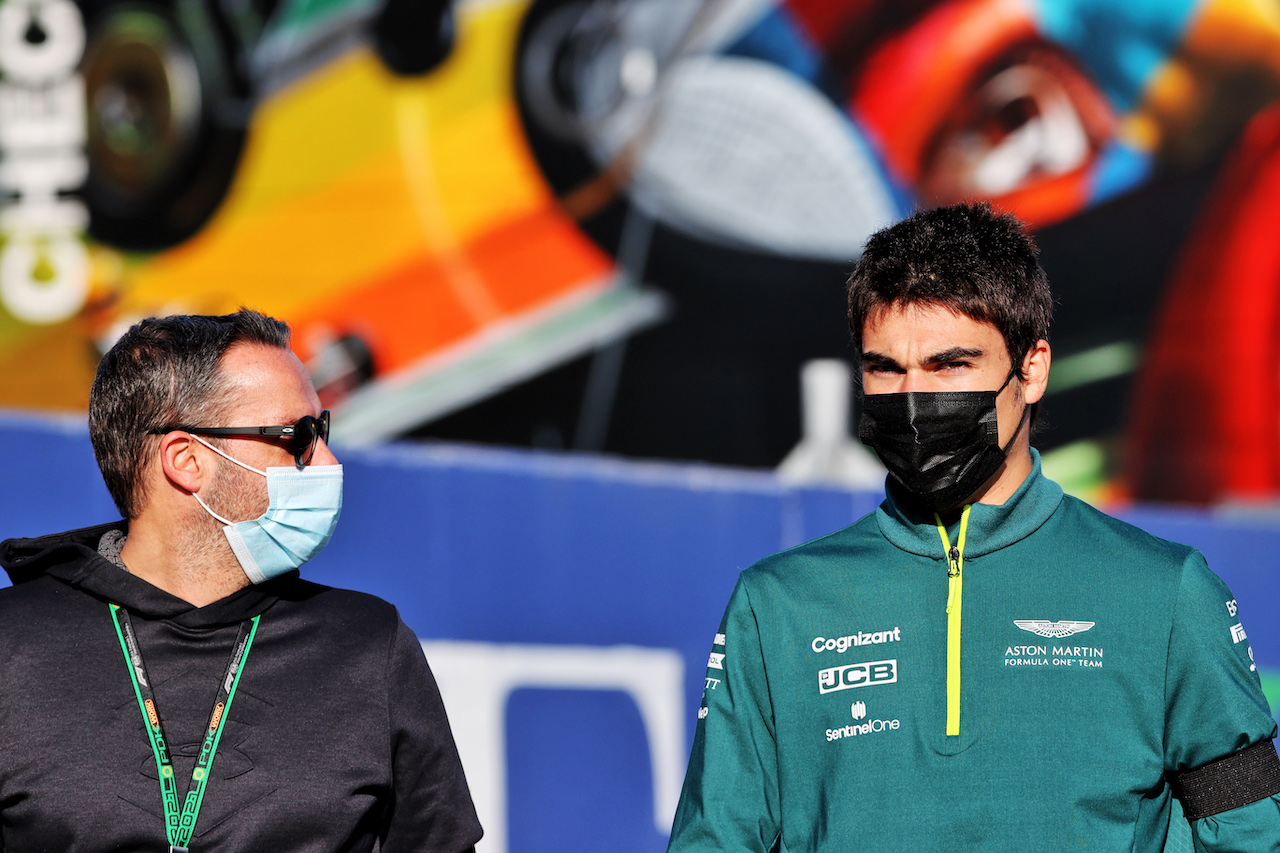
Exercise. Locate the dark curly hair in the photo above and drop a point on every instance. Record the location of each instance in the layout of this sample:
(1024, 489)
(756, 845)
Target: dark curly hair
(965, 257)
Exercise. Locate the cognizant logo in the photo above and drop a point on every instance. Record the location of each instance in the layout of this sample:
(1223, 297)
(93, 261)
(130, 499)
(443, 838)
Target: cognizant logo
(840, 645)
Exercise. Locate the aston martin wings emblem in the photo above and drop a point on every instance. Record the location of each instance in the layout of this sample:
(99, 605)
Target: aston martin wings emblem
(1045, 628)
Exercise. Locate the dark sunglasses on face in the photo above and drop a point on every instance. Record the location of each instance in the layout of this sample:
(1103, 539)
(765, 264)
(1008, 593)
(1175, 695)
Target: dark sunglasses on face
(302, 436)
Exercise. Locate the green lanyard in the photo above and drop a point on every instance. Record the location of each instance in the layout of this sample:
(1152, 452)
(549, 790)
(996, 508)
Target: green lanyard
(180, 825)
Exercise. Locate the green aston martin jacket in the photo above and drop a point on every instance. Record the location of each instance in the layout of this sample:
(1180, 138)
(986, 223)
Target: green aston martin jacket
(1033, 682)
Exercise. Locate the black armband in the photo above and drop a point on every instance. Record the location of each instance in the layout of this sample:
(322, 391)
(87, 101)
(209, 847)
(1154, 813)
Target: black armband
(1235, 780)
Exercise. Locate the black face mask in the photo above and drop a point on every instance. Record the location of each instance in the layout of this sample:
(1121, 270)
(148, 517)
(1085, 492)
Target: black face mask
(940, 446)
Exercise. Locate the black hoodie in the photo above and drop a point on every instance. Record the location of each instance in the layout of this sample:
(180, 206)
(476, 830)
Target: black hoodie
(336, 739)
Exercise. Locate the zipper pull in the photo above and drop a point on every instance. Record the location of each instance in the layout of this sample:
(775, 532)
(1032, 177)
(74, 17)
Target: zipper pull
(953, 574)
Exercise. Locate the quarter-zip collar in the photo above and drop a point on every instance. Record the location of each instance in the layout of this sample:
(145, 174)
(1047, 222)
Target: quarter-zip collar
(991, 527)
(73, 559)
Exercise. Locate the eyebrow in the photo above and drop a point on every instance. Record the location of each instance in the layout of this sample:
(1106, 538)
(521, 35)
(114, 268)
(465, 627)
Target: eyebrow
(879, 359)
(955, 354)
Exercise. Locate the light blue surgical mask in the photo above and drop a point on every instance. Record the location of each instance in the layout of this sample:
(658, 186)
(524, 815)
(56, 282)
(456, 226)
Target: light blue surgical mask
(302, 511)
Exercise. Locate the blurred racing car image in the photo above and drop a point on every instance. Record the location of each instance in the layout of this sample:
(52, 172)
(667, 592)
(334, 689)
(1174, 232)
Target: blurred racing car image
(171, 88)
(465, 208)
(794, 129)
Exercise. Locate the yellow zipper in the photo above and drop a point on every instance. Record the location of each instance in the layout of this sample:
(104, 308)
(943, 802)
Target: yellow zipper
(955, 607)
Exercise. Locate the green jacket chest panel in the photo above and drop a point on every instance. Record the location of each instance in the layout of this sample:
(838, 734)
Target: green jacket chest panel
(1092, 659)
(1060, 663)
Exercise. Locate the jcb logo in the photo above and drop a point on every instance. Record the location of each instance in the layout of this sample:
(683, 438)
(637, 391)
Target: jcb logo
(857, 675)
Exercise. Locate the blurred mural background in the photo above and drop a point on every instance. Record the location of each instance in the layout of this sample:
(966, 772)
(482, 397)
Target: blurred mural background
(624, 226)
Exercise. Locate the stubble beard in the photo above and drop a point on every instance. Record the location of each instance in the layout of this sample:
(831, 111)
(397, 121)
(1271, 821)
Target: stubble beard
(236, 495)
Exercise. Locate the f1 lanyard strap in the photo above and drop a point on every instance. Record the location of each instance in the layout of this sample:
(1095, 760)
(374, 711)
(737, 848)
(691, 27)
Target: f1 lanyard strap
(180, 824)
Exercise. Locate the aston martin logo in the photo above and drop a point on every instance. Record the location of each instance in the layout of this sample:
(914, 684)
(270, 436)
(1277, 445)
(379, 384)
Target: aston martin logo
(1045, 628)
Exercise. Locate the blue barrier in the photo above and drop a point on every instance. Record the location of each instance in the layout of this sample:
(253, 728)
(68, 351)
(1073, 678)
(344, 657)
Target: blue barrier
(568, 603)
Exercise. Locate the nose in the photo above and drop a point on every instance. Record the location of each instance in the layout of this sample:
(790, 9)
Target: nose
(912, 380)
(323, 455)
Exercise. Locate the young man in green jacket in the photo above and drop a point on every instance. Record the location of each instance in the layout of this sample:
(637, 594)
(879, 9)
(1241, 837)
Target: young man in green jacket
(983, 663)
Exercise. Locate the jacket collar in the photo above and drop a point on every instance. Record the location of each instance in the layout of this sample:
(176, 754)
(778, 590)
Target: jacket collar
(990, 527)
(73, 559)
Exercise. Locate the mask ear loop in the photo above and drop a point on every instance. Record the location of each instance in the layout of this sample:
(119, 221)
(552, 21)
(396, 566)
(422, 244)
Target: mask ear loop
(229, 459)
(232, 458)
(1022, 419)
(1013, 371)
(225, 521)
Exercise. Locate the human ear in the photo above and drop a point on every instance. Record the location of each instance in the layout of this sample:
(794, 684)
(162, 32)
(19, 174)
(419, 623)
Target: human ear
(1035, 372)
(183, 465)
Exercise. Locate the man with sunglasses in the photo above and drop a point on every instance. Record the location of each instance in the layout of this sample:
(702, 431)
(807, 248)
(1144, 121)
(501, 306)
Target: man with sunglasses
(169, 680)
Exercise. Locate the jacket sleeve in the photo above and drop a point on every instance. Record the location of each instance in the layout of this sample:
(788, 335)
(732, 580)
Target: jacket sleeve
(730, 797)
(1215, 706)
(431, 807)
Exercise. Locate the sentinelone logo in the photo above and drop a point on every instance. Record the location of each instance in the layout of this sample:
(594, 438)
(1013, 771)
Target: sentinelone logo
(859, 712)
(44, 268)
(869, 727)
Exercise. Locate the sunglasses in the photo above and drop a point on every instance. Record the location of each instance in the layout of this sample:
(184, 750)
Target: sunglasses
(302, 436)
